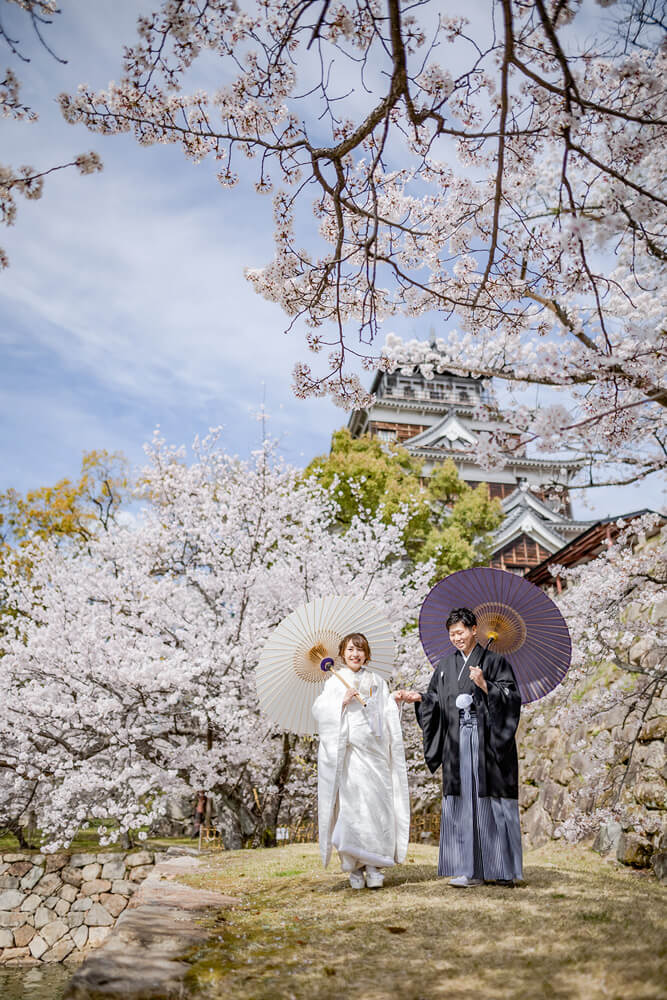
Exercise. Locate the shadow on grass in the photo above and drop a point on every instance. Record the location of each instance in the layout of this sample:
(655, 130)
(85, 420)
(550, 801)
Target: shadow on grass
(576, 930)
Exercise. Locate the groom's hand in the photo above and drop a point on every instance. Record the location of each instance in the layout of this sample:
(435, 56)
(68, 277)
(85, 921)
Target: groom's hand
(477, 677)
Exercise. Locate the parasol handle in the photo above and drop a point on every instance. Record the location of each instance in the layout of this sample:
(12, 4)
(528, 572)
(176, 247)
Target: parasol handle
(492, 636)
(327, 666)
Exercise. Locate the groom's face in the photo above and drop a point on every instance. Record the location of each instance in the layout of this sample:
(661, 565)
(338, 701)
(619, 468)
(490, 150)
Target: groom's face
(462, 637)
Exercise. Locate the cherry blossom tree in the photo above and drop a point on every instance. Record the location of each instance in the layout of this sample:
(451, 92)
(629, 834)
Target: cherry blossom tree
(25, 180)
(502, 168)
(128, 663)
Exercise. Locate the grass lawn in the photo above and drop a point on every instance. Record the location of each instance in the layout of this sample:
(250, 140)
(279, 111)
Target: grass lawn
(581, 928)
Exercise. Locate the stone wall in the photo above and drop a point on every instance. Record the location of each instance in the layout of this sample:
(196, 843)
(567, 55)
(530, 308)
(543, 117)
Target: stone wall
(58, 907)
(564, 782)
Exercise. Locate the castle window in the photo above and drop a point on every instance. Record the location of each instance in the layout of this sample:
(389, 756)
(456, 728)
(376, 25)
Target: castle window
(386, 435)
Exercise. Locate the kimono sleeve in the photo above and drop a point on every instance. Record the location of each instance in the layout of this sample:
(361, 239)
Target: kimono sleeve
(433, 722)
(504, 705)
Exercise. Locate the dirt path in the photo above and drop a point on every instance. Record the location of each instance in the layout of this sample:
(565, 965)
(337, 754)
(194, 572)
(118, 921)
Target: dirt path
(580, 929)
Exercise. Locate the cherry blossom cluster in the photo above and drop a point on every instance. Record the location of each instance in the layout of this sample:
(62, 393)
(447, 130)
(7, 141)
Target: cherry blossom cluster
(128, 667)
(497, 169)
(612, 442)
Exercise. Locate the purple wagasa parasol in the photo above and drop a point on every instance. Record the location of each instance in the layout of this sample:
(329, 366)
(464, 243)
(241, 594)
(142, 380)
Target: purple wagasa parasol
(516, 616)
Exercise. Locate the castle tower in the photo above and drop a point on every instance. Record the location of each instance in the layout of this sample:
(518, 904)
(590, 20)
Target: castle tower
(438, 419)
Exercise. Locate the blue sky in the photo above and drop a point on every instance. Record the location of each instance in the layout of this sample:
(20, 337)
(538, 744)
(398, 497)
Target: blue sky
(125, 304)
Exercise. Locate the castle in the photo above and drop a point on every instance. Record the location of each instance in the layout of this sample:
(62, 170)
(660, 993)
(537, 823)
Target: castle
(436, 419)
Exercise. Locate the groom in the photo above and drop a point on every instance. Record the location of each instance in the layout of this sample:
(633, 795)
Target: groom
(469, 716)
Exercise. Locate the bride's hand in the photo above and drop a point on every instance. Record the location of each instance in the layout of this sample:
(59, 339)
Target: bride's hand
(408, 696)
(348, 696)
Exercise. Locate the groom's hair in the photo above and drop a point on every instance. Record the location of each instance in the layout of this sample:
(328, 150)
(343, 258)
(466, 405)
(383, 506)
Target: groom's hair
(359, 640)
(464, 615)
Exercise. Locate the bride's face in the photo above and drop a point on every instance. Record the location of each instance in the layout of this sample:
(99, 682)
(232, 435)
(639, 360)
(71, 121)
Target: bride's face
(354, 657)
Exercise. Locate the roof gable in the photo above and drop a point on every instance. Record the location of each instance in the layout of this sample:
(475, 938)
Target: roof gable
(449, 432)
(527, 522)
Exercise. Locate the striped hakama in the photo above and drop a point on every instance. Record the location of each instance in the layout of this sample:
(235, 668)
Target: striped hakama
(479, 837)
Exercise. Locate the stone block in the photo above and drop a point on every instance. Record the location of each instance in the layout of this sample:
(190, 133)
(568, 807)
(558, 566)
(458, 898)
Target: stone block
(95, 887)
(97, 936)
(537, 825)
(556, 800)
(139, 873)
(11, 858)
(562, 772)
(90, 872)
(30, 880)
(49, 885)
(633, 850)
(123, 887)
(75, 919)
(74, 959)
(583, 764)
(541, 771)
(82, 904)
(659, 865)
(97, 916)
(68, 892)
(650, 794)
(639, 649)
(114, 904)
(9, 882)
(21, 868)
(139, 858)
(181, 851)
(654, 729)
(54, 931)
(527, 795)
(30, 904)
(11, 919)
(613, 718)
(23, 935)
(549, 738)
(62, 907)
(25, 963)
(42, 917)
(80, 937)
(653, 755)
(13, 953)
(72, 876)
(3, 867)
(38, 946)
(11, 898)
(607, 837)
(80, 860)
(55, 863)
(51, 902)
(107, 856)
(114, 869)
(60, 951)
(6, 938)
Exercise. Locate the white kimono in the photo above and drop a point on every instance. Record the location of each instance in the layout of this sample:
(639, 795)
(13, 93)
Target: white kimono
(362, 785)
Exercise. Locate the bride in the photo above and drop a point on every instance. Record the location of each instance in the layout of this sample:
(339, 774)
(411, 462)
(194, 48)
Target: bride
(362, 786)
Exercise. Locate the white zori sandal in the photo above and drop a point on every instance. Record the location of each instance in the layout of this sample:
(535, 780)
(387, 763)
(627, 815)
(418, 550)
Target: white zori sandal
(374, 878)
(357, 879)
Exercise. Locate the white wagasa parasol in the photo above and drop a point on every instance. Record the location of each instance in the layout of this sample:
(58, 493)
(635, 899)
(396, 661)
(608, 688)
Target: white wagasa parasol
(291, 670)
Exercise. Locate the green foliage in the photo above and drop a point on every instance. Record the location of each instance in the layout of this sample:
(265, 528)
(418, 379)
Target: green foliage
(362, 474)
(70, 509)
(450, 522)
